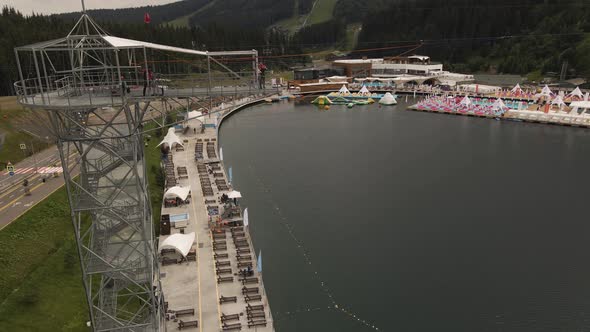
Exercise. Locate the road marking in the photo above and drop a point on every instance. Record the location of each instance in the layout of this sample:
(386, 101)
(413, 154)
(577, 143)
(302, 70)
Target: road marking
(16, 204)
(18, 198)
(11, 196)
(28, 204)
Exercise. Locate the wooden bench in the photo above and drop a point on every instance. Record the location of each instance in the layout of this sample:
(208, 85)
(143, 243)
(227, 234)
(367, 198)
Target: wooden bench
(237, 229)
(232, 327)
(190, 323)
(216, 256)
(242, 245)
(244, 258)
(224, 279)
(169, 261)
(243, 251)
(184, 312)
(227, 299)
(244, 264)
(238, 234)
(257, 323)
(219, 236)
(250, 290)
(250, 298)
(220, 243)
(256, 314)
(249, 280)
(167, 251)
(225, 317)
(224, 271)
(222, 263)
(255, 307)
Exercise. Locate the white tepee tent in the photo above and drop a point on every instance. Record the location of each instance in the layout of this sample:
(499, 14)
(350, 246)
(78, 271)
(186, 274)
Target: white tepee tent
(344, 90)
(576, 93)
(516, 89)
(498, 105)
(364, 91)
(546, 91)
(465, 101)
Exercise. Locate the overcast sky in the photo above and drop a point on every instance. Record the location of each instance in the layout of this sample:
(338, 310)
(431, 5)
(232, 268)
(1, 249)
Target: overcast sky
(63, 6)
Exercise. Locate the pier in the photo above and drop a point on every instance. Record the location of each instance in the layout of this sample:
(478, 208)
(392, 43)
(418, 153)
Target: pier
(208, 281)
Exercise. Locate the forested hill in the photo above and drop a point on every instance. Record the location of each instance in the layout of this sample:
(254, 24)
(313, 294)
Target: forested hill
(513, 36)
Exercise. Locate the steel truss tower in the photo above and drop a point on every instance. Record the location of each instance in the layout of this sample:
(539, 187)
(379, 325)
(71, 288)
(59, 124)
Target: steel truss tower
(82, 81)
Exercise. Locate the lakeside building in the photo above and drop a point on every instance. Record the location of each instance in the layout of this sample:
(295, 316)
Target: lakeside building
(402, 71)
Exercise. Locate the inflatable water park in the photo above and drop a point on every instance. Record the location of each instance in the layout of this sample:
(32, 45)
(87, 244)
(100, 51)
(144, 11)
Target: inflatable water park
(362, 97)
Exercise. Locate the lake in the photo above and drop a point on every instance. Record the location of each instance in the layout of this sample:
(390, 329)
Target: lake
(414, 221)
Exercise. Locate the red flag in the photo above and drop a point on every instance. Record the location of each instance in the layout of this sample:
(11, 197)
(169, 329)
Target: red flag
(146, 18)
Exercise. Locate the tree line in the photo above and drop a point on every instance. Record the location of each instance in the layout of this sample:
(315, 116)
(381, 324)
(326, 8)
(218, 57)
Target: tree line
(505, 35)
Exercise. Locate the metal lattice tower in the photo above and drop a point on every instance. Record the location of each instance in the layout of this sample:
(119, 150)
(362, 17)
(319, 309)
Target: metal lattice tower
(82, 82)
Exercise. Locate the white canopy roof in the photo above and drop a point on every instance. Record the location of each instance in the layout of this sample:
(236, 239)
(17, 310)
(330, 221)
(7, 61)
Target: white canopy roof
(177, 191)
(498, 104)
(344, 90)
(171, 138)
(364, 90)
(516, 88)
(234, 194)
(180, 242)
(336, 79)
(194, 114)
(577, 92)
(465, 101)
(129, 43)
(557, 101)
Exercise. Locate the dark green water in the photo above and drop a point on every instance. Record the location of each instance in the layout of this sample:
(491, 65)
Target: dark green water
(415, 221)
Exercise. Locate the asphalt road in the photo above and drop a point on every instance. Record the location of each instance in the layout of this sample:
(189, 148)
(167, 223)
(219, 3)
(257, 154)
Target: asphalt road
(13, 200)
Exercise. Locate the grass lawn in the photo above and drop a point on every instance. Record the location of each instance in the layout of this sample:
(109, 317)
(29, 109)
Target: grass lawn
(40, 284)
(10, 135)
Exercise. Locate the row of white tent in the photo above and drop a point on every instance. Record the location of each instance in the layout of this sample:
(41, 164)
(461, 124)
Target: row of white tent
(497, 105)
(546, 92)
(344, 90)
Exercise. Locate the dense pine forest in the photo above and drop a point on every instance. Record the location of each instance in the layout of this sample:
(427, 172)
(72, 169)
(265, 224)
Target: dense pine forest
(527, 37)
(504, 35)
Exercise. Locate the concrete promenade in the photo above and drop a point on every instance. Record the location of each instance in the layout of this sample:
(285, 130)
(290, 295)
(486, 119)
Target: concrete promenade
(197, 284)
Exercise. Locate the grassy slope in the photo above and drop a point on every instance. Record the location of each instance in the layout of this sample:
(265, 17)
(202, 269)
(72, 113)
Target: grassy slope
(322, 11)
(183, 21)
(40, 284)
(10, 112)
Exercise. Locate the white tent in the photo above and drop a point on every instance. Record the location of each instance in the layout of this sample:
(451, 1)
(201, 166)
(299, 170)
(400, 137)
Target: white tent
(388, 99)
(171, 138)
(180, 242)
(194, 114)
(234, 194)
(465, 101)
(516, 89)
(577, 93)
(364, 91)
(498, 105)
(177, 191)
(558, 101)
(344, 90)
(546, 91)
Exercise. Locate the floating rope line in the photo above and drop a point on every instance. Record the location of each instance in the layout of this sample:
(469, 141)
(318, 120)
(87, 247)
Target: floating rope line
(307, 257)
